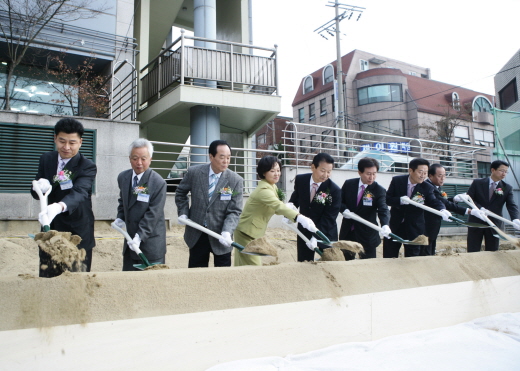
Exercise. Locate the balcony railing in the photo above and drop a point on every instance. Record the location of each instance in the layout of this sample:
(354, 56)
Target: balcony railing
(231, 66)
(345, 146)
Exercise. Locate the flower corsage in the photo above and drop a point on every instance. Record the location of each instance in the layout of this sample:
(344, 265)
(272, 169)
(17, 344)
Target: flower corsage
(444, 195)
(281, 194)
(227, 191)
(418, 197)
(323, 198)
(63, 176)
(499, 191)
(141, 190)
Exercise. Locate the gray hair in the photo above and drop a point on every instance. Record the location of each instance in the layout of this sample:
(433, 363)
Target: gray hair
(140, 143)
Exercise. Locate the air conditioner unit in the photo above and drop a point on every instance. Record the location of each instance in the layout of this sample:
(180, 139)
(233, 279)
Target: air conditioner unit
(483, 117)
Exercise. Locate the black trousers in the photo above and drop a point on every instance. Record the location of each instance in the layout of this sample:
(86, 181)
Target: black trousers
(370, 252)
(49, 268)
(199, 255)
(391, 248)
(128, 262)
(474, 239)
(429, 249)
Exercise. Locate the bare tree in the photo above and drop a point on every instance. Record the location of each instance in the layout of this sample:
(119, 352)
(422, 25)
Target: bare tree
(22, 21)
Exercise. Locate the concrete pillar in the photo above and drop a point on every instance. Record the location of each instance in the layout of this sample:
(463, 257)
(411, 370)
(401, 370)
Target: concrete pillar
(204, 129)
(204, 121)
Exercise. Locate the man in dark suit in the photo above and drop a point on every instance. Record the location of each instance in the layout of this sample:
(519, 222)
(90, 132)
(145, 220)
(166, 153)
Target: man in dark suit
(407, 221)
(436, 177)
(319, 199)
(142, 195)
(364, 197)
(216, 202)
(71, 175)
(491, 193)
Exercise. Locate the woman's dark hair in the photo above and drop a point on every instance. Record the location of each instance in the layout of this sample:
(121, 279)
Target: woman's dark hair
(265, 164)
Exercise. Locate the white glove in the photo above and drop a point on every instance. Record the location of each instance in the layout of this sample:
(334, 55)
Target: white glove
(306, 223)
(120, 223)
(312, 244)
(385, 231)
(43, 184)
(345, 214)
(291, 205)
(458, 198)
(446, 215)
(46, 217)
(225, 239)
(517, 223)
(404, 201)
(481, 214)
(180, 219)
(135, 243)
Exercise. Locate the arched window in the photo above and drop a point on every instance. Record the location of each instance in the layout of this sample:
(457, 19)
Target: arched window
(482, 104)
(455, 101)
(308, 86)
(328, 74)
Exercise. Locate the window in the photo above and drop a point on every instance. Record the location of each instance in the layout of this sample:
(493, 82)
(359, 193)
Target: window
(301, 115)
(455, 101)
(328, 74)
(260, 139)
(461, 132)
(323, 106)
(23, 163)
(311, 112)
(508, 95)
(391, 127)
(412, 73)
(483, 169)
(482, 104)
(313, 141)
(308, 86)
(484, 137)
(363, 65)
(380, 93)
(333, 103)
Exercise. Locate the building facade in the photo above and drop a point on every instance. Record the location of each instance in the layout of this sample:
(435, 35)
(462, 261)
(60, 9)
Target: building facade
(387, 96)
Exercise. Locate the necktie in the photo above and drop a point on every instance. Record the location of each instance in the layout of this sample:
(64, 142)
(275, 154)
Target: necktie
(61, 165)
(360, 194)
(492, 188)
(410, 189)
(136, 179)
(313, 190)
(212, 184)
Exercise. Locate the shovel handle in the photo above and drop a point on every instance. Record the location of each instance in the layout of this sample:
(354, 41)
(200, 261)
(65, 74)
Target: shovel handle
(209, 232)
(421, 206)
(128, 239)
(303, 237)
(490, 213)
(357, 218)
(43, 202)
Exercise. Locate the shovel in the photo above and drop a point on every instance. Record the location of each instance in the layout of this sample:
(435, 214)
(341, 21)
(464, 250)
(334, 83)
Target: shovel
(240, 248)
(395, 237)
(303, 237)
(138, 251)
(490, 213)
(43, 204)
(437, 212)
(501, 235)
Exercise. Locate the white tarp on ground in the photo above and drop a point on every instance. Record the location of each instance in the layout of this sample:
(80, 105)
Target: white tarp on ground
(488, 343)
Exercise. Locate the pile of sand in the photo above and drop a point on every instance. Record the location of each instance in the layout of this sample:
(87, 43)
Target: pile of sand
(332, 254)
(63, 250)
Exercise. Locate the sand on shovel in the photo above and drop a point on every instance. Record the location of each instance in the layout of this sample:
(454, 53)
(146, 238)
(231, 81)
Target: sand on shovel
(351, 246)
(156, 267)
(261, 246)
(332, 254)
(421, 240)
(63, 250)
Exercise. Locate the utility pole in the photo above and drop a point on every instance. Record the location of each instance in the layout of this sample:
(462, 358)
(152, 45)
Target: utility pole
(330, 27)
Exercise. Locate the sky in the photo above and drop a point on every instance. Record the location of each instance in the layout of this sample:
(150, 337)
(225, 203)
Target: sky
(487, 343)
(463, 42)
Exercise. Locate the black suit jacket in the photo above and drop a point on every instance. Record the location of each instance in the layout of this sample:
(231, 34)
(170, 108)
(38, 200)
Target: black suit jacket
(366, 236)
(433, 222)
(411, 216)
(79, 218)
(479, 192)
(324, 216)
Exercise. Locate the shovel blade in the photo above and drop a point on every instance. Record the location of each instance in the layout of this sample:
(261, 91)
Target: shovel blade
(143, 266)
(254, 253)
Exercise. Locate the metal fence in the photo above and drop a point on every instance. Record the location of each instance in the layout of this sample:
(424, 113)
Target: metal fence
(301, 143)
(230, 65)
